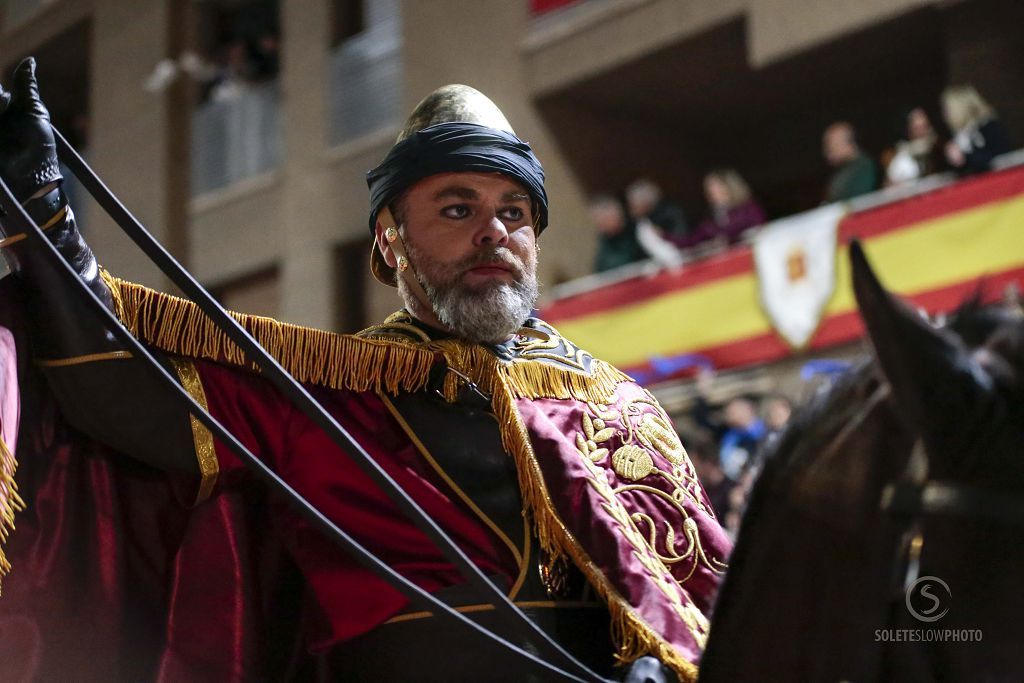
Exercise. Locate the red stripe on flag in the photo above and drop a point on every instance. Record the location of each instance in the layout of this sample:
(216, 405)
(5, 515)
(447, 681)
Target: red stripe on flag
(629, 292)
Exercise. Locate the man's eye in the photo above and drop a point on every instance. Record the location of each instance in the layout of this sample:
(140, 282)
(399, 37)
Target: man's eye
(513, 213)
(455, 211)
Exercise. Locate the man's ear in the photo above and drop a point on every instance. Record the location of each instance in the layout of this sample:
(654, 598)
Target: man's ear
(384, 246)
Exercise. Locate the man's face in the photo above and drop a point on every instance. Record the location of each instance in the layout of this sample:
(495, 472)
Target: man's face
(471, 241)
(836, 145)
(739, 413)
(918, 125)
(608, 218)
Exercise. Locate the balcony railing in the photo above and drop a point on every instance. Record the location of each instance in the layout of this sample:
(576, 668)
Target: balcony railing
(236, 137)
(366, 77)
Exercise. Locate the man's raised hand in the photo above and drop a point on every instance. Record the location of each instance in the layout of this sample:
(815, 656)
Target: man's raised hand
(28, 153)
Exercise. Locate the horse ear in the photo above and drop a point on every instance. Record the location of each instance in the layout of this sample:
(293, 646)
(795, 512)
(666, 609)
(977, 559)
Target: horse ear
(937, 386)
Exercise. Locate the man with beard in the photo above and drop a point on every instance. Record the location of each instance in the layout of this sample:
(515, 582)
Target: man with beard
(558, 476)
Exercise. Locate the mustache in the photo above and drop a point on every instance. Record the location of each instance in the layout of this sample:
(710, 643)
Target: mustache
(493, 256)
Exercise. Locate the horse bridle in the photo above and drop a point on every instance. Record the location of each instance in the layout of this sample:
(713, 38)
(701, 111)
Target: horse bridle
(914, 497)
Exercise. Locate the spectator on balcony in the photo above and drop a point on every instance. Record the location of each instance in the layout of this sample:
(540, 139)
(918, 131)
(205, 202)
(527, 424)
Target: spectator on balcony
(658, 222)
(978, 135)
(732, 210)
(616, 234)
(855, 173)
(919, 154)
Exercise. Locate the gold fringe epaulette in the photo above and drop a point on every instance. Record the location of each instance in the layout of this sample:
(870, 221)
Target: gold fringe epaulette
(339, 361)
(10, 503)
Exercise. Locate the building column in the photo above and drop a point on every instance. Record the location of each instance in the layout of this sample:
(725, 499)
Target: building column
(306, 271)
(130, 131)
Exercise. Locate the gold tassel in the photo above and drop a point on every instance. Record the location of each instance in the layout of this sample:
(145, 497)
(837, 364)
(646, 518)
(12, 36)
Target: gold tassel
(10, 503)
(338, 361)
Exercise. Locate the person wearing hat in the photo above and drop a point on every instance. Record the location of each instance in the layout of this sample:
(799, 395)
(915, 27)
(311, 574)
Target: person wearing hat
(556, 474)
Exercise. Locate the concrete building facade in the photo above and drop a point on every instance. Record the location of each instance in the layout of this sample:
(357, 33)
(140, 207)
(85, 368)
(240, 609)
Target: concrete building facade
(605, 91)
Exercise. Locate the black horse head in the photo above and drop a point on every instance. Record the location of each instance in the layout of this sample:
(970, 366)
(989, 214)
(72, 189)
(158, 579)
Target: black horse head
(817, 587)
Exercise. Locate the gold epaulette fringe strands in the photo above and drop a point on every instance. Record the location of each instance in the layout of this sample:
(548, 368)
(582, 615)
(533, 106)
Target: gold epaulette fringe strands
(346, 362)
(341, 361)
(10, 503)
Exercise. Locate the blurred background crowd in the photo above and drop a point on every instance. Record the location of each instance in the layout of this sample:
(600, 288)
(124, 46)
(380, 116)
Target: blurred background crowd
(642, 224)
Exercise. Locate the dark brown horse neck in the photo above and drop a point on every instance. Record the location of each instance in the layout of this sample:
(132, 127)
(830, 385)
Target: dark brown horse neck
(817, 583)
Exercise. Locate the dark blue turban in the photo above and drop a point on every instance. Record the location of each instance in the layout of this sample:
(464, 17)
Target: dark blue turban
(456, 147)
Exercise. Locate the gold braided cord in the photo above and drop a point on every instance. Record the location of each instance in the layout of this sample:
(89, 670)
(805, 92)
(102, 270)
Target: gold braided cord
(384, 365)
(86, 358)
(206, 456)
(17, 237)
(10, 502)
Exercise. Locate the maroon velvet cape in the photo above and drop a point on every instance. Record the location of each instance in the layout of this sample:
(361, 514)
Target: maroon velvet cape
(113, 577)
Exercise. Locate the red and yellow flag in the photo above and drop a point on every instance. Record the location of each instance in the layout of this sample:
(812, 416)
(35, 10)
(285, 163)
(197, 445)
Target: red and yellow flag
(936, 249)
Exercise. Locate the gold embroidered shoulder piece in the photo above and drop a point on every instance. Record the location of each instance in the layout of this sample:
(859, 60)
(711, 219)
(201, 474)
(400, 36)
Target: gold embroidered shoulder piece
(550, 347)
(398, 327)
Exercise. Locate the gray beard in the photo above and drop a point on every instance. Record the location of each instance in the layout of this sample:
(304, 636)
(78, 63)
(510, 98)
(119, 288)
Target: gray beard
(487, 315)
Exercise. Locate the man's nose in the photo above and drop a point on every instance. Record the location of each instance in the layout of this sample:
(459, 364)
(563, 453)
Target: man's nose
(492, 233)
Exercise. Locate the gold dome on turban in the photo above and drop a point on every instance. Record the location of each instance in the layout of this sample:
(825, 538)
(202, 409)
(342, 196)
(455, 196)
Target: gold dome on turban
(451, 103)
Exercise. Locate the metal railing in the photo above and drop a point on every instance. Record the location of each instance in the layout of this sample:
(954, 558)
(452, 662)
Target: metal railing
(236, 137)
(365, 93)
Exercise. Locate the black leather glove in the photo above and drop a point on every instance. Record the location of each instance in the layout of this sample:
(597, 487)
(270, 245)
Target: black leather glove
(28, 164)
(118, 402)
(649, 670)
(28, 153)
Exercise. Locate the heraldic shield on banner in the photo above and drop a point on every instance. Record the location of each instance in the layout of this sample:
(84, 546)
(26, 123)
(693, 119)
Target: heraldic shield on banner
(796, 271)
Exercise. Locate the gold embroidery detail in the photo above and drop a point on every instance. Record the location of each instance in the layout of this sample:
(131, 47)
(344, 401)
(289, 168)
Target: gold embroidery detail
(206, 455)
(654, 432)
(632, 462)
(647, 429)
(594, 432)
(551, 347)
(87, 358)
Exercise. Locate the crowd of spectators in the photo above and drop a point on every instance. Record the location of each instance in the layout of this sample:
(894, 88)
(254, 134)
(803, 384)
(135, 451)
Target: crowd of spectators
(650, 226)
(243, 52)
(647, 225)
(728, 443)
